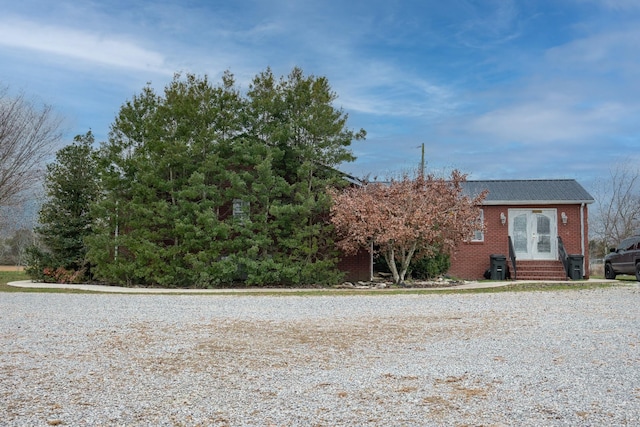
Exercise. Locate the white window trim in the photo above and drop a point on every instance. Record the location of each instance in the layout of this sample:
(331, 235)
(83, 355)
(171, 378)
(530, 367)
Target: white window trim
(240, 210)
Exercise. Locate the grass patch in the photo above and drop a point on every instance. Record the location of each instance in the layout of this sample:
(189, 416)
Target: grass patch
(16, 276)
(626, 278)
(543, 286)
(516, 287)
(621, 277)
(12, 276)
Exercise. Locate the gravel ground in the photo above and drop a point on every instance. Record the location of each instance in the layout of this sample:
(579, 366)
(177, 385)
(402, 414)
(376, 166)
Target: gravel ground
(564, 358)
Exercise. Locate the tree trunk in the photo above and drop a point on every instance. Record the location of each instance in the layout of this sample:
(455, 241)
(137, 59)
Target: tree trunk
(389, 256)
(406, 260)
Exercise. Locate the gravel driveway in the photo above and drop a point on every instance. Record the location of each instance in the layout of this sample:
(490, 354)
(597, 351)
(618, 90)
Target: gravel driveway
(563, 358)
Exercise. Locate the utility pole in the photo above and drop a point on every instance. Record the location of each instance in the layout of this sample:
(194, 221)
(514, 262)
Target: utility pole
(422, 162)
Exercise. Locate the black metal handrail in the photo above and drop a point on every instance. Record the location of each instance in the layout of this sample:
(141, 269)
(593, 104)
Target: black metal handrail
(512, 257)
(562, 254)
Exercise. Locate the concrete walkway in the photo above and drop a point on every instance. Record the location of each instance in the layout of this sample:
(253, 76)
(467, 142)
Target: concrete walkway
(119, 289)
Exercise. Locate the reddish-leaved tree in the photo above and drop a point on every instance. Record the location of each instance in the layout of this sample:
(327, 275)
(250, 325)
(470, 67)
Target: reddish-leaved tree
(407, 215)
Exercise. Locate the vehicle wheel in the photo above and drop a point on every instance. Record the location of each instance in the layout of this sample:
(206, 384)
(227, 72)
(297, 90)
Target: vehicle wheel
(638, 272)
(609, 273)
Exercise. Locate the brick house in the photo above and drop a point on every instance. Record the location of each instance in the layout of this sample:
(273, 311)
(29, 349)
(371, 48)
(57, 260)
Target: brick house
(358, 266)
(538, 225)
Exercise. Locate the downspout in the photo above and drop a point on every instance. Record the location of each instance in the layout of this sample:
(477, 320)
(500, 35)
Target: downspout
(582, 236)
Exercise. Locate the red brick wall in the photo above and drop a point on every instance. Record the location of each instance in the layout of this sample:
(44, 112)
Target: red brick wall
(570, 232)
(471, 260)
(357, 267)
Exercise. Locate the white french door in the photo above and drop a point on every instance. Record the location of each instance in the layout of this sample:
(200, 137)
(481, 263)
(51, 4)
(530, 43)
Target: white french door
(534, 233)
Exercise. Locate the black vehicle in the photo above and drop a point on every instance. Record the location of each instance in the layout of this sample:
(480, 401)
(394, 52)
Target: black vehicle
(625, 259)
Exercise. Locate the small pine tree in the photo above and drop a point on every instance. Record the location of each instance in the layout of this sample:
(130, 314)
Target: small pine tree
(71, 187)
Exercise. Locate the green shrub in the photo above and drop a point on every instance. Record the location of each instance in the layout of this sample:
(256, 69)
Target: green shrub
(424, 268)
(421, 267)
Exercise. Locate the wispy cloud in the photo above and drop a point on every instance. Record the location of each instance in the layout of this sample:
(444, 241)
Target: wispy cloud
(493, 87)
(489, 24)
(581, 92)
(385, 89)
(615, 4)
(543, 124)
(616, 49)
(109, 50)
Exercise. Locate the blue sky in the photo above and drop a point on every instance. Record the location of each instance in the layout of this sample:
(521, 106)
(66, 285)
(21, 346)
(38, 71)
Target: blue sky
(499, 89)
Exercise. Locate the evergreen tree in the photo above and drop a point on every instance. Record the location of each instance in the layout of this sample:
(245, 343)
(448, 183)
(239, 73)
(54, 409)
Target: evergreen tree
(206, 187)
(307, 135)
(71, 188)
(165, 181)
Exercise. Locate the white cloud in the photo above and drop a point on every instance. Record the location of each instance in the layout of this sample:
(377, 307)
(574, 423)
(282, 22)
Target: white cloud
(488, 24)
(602, 51)
(615, 4)
(86, 46)
(582, 92)
(544, 123)
(385, 89)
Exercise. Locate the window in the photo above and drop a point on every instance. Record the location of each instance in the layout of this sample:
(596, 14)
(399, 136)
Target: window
(478, 235)
(628, 244)
(240, 210)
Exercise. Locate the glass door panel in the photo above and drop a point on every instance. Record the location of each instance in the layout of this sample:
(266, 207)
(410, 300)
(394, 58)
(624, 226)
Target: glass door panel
(543, 234)
(520, 234)
(534, 233)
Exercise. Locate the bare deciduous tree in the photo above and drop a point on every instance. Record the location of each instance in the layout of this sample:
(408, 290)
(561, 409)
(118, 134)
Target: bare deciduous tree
(617, 213)
(28, 136)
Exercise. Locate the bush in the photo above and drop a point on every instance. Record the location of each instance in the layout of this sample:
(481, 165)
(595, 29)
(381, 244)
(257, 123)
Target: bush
(429, 267)
(42, 267)
(421, 267)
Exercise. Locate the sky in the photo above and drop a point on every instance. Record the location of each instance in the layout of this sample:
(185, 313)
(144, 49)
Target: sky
(498, 89)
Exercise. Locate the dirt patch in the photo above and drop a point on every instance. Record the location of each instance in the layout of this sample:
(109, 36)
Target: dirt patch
(11, 268)
(238, 345)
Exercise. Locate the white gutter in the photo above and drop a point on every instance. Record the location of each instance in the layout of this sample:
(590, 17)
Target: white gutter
(533, 202)
(582, 236)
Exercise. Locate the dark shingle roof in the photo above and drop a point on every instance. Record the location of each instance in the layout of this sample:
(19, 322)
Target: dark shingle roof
(535, 191)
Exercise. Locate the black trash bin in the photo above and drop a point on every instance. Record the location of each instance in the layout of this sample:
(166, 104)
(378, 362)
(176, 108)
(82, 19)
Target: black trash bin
(498, 267)
(575, 263)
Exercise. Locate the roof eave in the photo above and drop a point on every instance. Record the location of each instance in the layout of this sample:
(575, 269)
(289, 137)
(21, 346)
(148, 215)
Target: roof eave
(535, 202)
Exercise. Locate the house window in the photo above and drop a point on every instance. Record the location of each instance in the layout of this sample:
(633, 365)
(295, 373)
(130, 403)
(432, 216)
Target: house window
(478, 235)
(240, 210)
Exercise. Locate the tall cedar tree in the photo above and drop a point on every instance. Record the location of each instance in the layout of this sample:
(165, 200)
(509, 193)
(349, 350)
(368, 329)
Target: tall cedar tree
(203, 186)
(71, 188)
(424, 214)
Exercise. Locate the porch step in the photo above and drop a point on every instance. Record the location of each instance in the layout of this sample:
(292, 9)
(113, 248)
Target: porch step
(539, 270)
